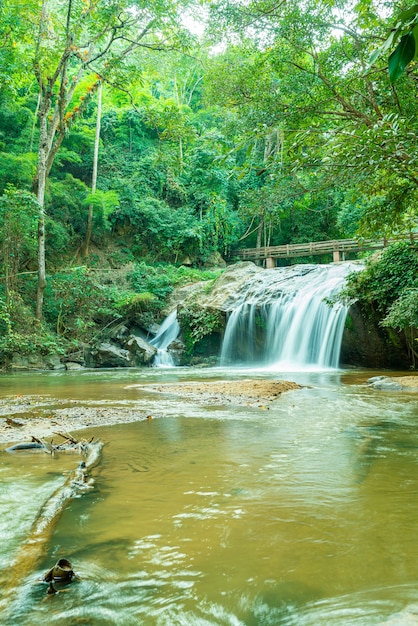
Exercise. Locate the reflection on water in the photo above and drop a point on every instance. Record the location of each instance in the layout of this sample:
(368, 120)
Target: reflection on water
(303, 514)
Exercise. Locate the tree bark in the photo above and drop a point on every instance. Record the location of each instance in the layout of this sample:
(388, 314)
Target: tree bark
(85, 249)
(40, 193)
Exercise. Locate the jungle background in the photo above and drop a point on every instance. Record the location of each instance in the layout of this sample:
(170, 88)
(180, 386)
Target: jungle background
(141, 143)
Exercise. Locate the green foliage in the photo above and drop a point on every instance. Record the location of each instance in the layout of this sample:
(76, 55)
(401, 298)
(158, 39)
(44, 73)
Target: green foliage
(403, 313)
(17, 170)
(197, 323)
(160, 279)
(75, 303)
(19, 212)
(159, 230)
(405, 33)
(132, 306)
(385, 280)
(401, 56)
(21, 333)
(388, 288)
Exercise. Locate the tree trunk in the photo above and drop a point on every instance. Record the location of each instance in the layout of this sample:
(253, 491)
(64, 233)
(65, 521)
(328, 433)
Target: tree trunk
(85, 249)
(40, 193)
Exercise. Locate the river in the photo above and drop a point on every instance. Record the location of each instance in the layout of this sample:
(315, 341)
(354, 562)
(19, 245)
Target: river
(297, 513)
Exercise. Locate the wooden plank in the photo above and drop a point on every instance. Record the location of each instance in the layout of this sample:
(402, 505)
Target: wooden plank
(319, 247)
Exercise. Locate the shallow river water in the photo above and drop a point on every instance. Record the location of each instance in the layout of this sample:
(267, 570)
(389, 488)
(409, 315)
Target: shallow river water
(302, 512)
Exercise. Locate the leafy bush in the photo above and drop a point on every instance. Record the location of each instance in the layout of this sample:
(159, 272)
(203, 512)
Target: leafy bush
(158, 229)
(161, 279)
(75, 303)
(135, 305)
(197, 323)
(384, 280)
(21, 332)
(388, 288)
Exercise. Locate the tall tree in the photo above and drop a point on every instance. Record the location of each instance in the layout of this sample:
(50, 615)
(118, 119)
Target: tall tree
(85, 248)
(79, 45)
(339, 116)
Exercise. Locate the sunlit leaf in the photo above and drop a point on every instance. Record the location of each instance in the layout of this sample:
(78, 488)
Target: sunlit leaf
(409, 13)
(401, 56)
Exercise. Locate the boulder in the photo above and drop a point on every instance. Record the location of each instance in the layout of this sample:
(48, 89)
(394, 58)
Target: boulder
(21, 362)
(384, 383)
(226, 290)
(140, 351)
(365, 344)
(71, 365)
(108, 355)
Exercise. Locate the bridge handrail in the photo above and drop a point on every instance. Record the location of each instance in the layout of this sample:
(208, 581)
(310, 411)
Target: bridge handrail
(319, 247)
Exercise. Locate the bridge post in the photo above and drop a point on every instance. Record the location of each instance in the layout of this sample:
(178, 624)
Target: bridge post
(270, 263)
(336, 256)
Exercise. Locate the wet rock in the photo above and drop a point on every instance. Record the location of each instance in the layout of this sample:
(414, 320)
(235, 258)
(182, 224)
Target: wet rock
(366, 344)
(15, 422)
(384, 383)
(140, 351)
(227, 288)
(176, 350)
(21, 362)
(120, 333)
(375, 379)
(71, 365)
(108, 355)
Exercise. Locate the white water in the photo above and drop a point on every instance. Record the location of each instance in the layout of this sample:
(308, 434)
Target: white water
(283, 318)
(167, 333)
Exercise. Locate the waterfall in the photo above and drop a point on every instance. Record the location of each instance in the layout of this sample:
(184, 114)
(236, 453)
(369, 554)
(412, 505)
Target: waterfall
(167, 333)
(283, 318)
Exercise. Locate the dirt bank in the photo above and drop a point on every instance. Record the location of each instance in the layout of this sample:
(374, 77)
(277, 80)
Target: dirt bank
(406, 381)
(241, 392)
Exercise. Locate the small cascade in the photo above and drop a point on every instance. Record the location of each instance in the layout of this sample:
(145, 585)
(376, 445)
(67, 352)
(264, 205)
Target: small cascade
(167, 333)
(283, 318)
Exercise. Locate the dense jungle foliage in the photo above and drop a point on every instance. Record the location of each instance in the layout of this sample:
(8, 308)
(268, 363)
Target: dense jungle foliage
(160, 136)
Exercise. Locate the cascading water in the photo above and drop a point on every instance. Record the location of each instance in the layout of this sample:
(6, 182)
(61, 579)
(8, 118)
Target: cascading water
(167, 333)
(284, 318)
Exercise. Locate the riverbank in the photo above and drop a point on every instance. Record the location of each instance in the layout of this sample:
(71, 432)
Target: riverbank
(24, 417)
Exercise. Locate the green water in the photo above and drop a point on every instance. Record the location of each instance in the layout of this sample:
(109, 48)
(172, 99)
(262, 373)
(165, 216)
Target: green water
(303, 514)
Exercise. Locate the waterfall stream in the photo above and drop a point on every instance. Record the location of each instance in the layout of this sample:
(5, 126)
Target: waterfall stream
(285, 318)
(167, 333)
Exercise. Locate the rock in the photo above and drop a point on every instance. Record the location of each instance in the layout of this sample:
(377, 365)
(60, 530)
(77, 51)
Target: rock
(53, 362)
(108, 355)
(140, 351)
(375, 379)
(215, 260)
(176, 350)
(21, 362)
(384, 383)
(366, 344)
(226, 289)
(71, 365)
(15, 422)
(120, 333)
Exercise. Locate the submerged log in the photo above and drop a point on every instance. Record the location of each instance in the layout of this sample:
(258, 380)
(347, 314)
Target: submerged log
(34, 548)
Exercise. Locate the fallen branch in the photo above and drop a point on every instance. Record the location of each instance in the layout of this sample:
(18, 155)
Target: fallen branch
(36, 545)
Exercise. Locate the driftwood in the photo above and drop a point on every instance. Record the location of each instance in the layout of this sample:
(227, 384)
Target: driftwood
(70, 444)
(36, 545)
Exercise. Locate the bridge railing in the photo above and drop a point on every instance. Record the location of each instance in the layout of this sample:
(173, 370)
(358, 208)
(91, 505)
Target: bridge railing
(318, 247)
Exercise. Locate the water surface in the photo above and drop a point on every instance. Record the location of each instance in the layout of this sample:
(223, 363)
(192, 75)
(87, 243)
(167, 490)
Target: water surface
(302, 512)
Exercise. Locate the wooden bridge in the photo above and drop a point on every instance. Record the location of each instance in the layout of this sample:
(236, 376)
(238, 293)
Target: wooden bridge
(338, 248)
